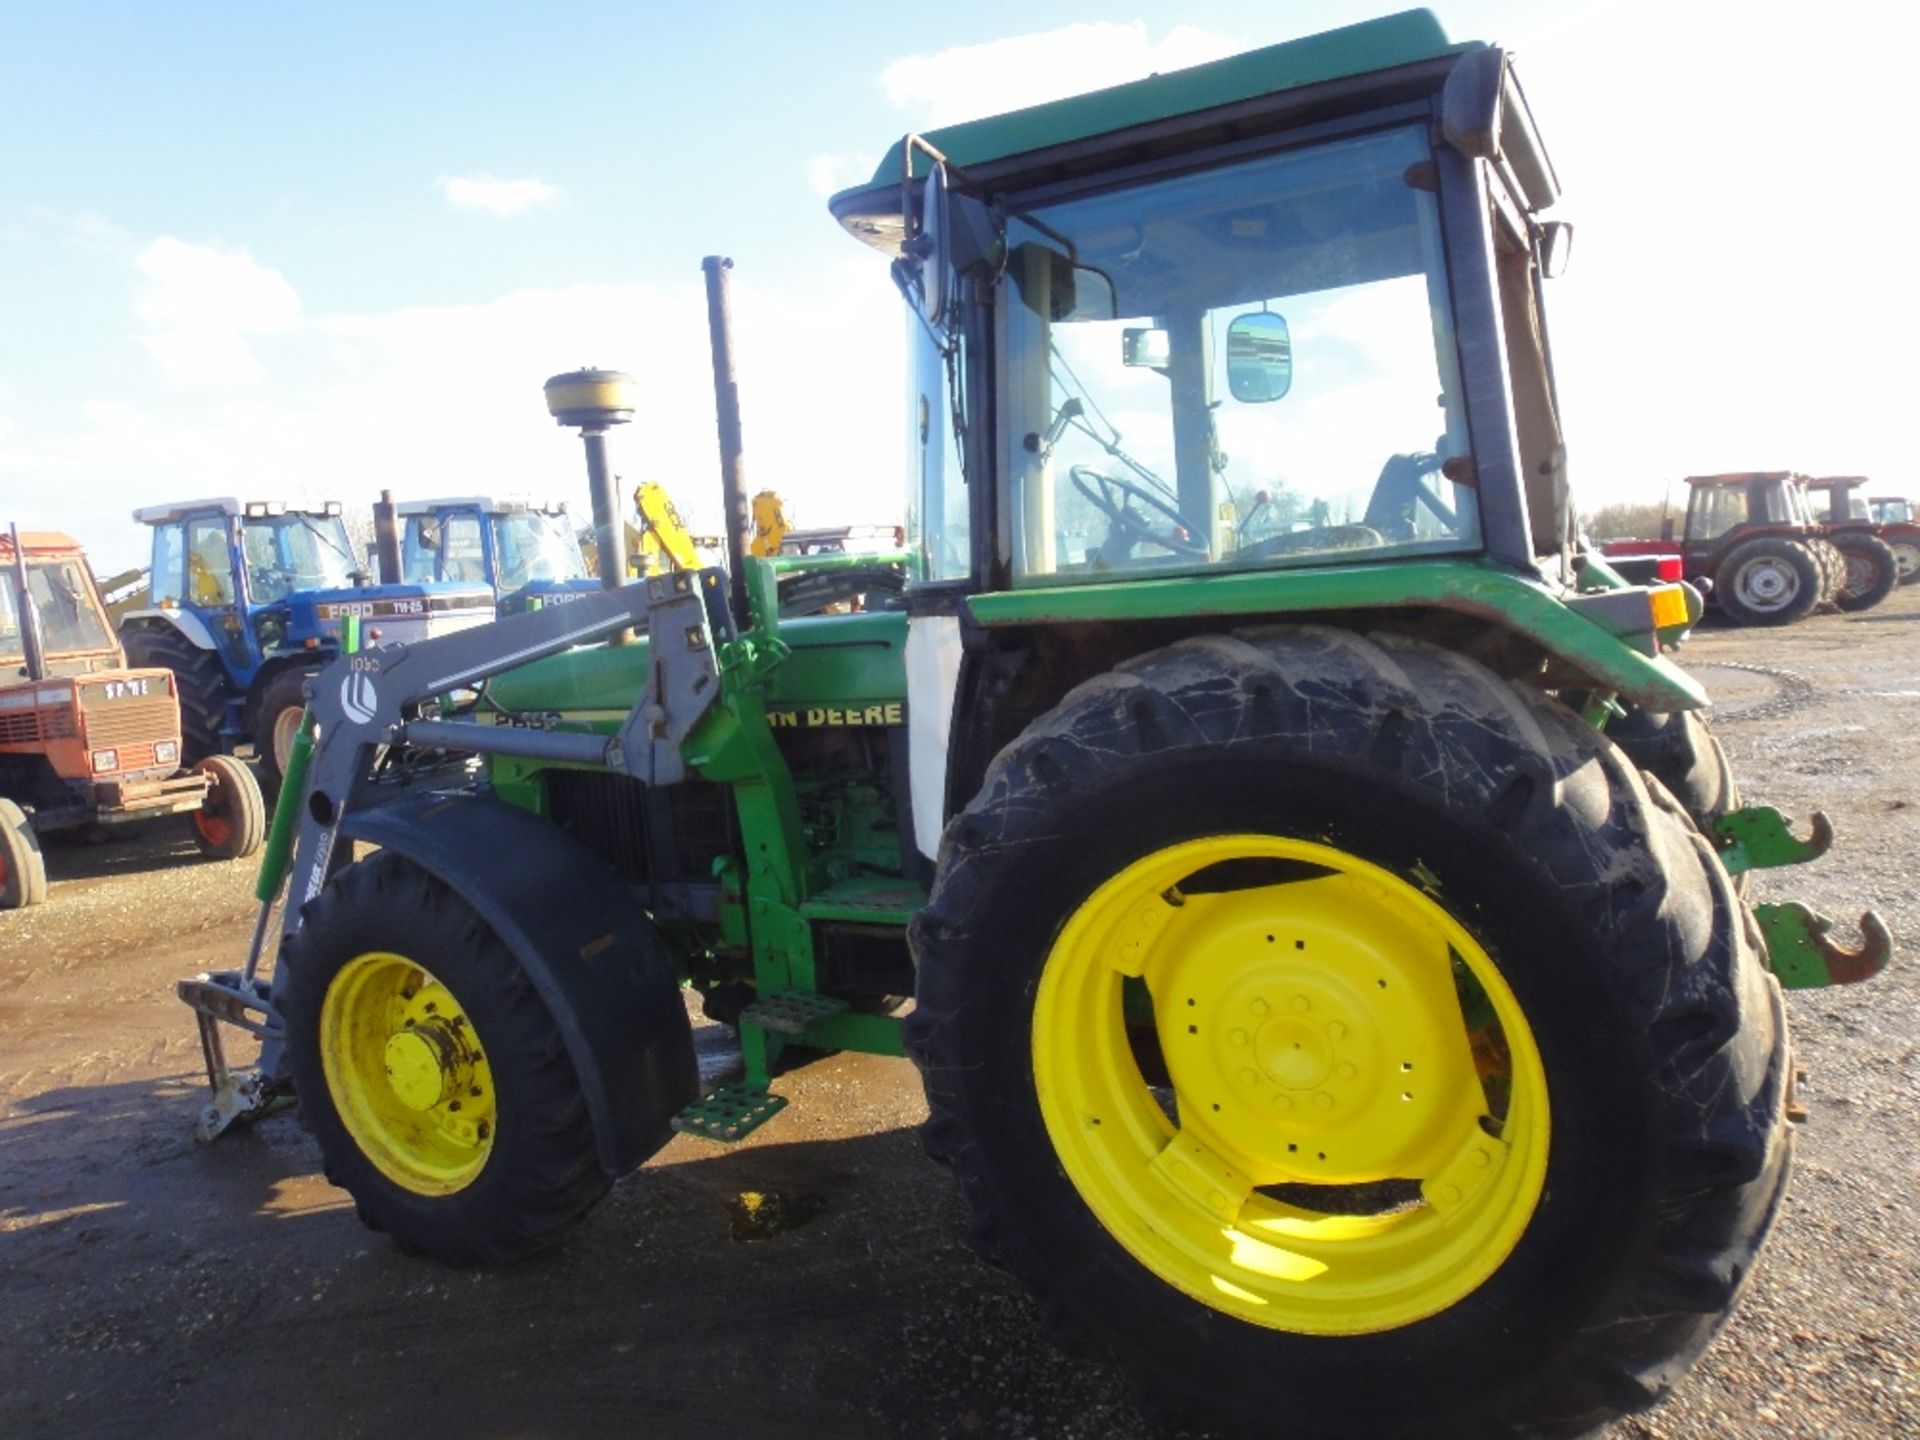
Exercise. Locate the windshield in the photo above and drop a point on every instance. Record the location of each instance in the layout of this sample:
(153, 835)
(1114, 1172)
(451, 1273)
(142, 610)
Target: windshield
(296, 552)
(533, 545)
(1890, 512)
(1250, 365)
(69, 616)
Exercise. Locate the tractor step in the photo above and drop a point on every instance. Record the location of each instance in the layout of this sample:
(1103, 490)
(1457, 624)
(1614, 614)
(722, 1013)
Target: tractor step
(730, 1112)
(790, 1012)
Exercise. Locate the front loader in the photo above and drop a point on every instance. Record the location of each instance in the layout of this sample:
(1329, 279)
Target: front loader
(1319, 896)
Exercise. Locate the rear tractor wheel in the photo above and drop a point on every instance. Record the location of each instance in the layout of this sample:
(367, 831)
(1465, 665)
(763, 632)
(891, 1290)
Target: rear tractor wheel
(1349, 1043)
(431, 1073)
(1769, 581)
(1871, 570)
(232, 821)
(23, 873)
(1906, 554)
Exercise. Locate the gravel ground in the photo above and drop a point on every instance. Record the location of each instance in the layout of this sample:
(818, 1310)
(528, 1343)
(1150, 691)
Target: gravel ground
(150, 1285)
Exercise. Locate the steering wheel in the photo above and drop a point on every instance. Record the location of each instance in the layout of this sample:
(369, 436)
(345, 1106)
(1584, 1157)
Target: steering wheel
(1320, 539)
(1113, 496)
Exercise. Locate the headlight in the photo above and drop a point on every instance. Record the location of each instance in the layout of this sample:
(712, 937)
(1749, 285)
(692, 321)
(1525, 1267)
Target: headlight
(105, 760)
(166, 752)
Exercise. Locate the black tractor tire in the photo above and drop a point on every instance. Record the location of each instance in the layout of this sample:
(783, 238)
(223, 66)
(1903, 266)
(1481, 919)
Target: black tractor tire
(1871, 570)
(275, 718)
(1905, 544)
(23, 871)
(1678, 749)
(541, 1171)
(1769, 581)
(198, 680)
(1662, 1035)
(1836, 570)
(231, 822)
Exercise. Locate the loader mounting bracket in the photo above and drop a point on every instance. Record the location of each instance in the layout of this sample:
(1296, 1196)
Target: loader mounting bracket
(1801, 955)
(1759, 838)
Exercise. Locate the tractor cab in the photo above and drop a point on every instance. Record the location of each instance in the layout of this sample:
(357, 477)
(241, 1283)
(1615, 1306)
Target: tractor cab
(248, 599)
(1839, 499)
(74, 636)
(524, 550)
(1201, 352)
(1890, 510)
(1719, 504)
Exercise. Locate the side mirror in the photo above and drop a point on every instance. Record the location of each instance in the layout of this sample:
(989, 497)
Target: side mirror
(947, 234)
(1259, 358)
(1146, 348)
(932, 234)
(1556, 248)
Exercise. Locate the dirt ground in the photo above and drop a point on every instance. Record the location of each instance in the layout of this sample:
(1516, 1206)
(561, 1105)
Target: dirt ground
(150, 1285)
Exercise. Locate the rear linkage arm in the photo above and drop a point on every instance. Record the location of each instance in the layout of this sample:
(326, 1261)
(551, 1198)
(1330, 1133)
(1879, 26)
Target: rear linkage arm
(372, 698)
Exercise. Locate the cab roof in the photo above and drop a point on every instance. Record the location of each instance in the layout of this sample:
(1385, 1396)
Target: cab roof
(39, 542)
(226, 505)
(485, 504)
(1743, 477)
(1372, 46)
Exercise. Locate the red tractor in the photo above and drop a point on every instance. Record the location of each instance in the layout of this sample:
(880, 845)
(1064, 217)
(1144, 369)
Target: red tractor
(85, 741)
(1842, 504)
(1753, 535)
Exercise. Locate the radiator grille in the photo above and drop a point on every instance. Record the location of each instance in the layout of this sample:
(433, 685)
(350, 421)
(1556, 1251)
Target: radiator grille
(30, 727)
(129, 719)
(669, 834)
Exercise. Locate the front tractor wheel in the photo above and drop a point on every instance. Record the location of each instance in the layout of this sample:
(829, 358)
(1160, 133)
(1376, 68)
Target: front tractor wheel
(1350, 1043)
(282, 705)
(432, 1075)
(232, 820)
(23, 872)
(1769, 581)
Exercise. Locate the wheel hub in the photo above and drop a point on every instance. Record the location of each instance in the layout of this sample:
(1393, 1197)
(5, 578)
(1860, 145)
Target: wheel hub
(1318, 1155)
(1329, 1051)
(1766, 583)
(406, 1073)
(420, 1066)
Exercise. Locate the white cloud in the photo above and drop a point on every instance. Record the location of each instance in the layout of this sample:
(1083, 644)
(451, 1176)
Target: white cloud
(501, 198)
(970, 81)
(829, 174)
(200, 305)
(447, 400)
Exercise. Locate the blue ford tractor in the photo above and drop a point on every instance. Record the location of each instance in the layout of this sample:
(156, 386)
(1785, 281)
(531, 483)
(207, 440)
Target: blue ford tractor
(524, 550)
(247, 601)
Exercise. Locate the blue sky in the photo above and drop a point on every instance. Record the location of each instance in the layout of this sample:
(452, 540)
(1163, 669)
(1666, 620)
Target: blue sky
(315, 251)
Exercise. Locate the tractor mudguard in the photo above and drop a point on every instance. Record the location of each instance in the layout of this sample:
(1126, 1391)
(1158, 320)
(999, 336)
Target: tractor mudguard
(589, 949)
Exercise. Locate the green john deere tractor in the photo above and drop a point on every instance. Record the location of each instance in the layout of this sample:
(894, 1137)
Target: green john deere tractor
(1317, 891)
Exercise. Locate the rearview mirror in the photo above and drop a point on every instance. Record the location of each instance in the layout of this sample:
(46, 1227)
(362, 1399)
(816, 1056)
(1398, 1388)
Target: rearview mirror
(1259, 358)
(1143, 347)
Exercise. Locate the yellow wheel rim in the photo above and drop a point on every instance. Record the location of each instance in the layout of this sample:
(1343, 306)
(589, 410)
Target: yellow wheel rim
(407, 1073)
(1355, 1132)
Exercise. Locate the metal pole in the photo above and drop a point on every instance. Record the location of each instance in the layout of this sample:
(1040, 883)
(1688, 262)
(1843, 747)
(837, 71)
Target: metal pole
(30, 640)
(386, 539)
(726, 404)
(609, 541)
